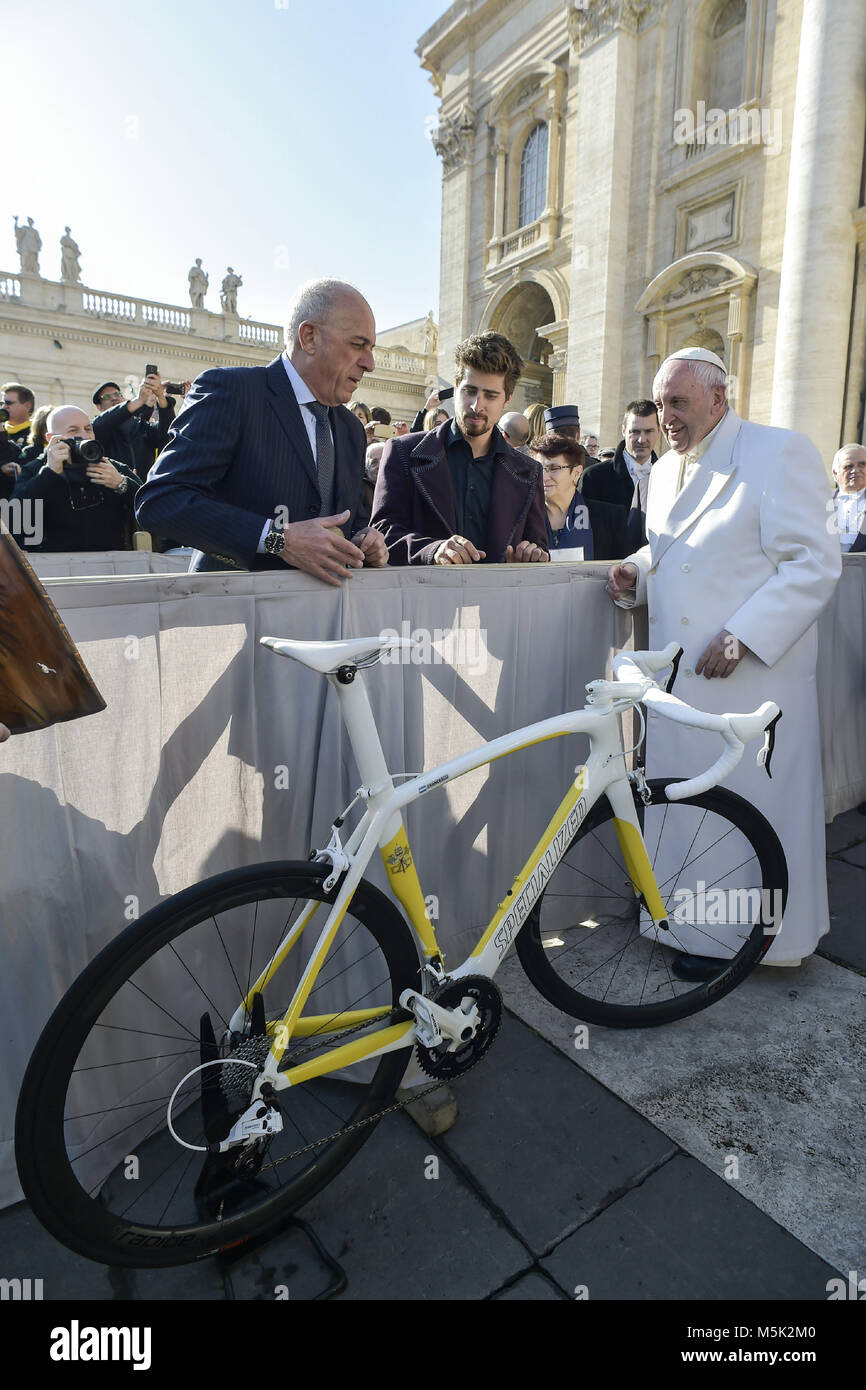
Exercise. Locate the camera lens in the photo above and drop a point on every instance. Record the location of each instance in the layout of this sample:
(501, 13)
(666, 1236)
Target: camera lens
(89, 451)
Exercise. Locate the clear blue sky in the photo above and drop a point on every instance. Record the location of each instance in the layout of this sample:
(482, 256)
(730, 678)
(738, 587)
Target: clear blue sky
(287, 138)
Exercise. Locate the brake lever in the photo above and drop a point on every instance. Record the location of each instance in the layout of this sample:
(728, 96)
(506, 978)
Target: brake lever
(675, 666)
(766, 752)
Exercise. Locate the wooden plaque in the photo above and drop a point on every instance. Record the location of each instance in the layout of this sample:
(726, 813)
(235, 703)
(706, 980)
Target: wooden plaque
(42, 677)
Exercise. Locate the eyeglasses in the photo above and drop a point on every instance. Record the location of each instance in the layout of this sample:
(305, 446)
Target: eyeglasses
(557, 467)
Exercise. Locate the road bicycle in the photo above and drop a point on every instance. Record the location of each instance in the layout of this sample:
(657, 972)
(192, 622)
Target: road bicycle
(227, 1055)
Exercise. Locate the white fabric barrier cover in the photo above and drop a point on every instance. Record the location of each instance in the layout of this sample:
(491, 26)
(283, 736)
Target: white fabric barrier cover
(184, 774)
(81, 563)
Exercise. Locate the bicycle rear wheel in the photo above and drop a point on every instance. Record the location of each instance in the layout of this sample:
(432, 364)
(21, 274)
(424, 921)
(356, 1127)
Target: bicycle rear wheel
(589, 946)
(96, 1156)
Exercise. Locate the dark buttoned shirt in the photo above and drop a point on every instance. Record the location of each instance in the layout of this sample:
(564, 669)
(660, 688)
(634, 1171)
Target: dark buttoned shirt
(472, 480)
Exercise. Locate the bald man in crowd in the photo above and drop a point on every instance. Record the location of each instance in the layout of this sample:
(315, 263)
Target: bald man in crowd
(82, 505)
(515, 427)
(738, 565)
(849, 499)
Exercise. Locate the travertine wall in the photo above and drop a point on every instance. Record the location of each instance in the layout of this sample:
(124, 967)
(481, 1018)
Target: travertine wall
(658, 233)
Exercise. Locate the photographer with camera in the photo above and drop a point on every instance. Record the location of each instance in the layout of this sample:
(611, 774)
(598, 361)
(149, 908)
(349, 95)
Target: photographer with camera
(125, 428)
(86, 499)
(16, 407)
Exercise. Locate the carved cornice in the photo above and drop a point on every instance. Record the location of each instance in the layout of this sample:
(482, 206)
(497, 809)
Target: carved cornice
(698, 281)
(453, 139)
(591, 20)
(216, 354)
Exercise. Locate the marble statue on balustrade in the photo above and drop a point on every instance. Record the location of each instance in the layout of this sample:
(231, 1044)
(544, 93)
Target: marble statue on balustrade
(229, 293)
(431, 336)
(29, 244)
(198, 283)
(70, 265)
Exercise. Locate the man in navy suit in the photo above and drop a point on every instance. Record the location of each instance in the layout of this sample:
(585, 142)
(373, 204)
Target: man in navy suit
(264, 466)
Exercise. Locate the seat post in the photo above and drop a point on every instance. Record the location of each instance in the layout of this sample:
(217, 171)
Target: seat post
(361, 728)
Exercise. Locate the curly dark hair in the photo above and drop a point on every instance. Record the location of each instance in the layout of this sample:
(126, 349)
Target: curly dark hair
(492, 353)
(553, 446)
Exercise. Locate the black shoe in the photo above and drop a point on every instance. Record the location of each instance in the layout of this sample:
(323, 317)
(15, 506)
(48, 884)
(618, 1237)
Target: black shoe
(695, 967)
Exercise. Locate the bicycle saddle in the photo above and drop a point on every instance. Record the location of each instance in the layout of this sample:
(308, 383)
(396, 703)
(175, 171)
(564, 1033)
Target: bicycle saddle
(327, 657)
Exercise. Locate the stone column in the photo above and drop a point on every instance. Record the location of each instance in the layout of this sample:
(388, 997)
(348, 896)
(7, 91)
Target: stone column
(817, 276)
(854, 424)
(557, 335)
(454, 142)
(554, 120)
(606, 38)
(498, 229)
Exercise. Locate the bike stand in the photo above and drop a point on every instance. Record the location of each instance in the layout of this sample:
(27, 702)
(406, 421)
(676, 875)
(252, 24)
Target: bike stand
(232, 1255)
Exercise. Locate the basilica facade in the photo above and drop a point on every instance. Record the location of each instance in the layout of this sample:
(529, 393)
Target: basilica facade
(622, 178)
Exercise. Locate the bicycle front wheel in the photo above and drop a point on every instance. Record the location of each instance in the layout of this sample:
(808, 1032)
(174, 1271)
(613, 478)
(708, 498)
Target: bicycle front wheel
(589, 945)
(96, 1154)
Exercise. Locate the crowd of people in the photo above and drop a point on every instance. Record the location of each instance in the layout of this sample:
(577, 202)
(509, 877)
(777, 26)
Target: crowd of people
(729, 537)
(82, 473)
(489, 477)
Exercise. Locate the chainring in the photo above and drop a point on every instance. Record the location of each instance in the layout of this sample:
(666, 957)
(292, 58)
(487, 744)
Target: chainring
(438, 1061)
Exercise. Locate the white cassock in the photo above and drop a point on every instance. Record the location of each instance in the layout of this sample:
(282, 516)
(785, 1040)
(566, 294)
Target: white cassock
(745, 546)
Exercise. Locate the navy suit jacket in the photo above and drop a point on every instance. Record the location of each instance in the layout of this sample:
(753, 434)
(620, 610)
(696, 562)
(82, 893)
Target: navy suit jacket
(610, 481)
(238, 451)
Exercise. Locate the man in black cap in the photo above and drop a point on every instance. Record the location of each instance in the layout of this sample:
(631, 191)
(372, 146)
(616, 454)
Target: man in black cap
(124, 428)
(563, 419)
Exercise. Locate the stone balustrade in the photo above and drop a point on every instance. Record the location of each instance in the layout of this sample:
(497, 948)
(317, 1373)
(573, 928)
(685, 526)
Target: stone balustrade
(34, 291)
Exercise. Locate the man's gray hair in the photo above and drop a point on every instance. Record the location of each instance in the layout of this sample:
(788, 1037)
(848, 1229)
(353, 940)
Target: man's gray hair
(839, 456)
(313, 303)
(706, 374)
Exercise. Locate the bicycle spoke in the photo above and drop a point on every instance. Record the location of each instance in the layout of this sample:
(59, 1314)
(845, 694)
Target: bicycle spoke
(619, 968)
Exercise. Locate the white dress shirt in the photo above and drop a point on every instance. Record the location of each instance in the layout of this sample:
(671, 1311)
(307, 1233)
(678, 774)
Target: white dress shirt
(849, 515)
(690, 460)
(636, 470)
(303, 396)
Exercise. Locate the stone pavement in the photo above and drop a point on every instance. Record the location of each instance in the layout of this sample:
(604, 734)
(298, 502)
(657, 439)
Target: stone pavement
(599, 1172)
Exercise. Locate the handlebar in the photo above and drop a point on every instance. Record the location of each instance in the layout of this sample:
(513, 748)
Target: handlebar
(634, 678)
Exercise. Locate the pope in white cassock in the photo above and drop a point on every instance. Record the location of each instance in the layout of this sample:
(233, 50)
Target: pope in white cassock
(738, 565)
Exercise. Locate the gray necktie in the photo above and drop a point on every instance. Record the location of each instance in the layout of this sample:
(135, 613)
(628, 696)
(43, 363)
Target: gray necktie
(324, 456)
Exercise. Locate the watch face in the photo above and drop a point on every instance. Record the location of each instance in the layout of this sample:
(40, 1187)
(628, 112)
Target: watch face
(275, 542)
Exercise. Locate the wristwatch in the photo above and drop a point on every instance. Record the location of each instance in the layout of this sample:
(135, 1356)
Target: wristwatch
(122, 485)
(275, 541)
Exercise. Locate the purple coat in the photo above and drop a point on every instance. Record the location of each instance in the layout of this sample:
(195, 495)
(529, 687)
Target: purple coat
(413, 505)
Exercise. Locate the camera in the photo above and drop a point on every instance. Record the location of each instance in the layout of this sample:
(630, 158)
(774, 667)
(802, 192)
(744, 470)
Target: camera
(173, 388)
(4, 415)
(81, 453)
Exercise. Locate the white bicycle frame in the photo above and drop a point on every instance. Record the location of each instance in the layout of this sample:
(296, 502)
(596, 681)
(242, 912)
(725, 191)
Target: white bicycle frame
(382, 827)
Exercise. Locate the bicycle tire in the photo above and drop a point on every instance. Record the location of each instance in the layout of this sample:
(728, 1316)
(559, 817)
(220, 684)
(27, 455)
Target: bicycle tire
(607, 968)
(171, 960)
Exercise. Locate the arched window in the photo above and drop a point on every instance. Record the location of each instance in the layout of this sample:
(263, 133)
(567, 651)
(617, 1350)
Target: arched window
(721, 66)
(731, 14)
(533, 176)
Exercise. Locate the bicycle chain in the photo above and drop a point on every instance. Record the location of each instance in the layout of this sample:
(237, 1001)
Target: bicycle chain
(370, 1119)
